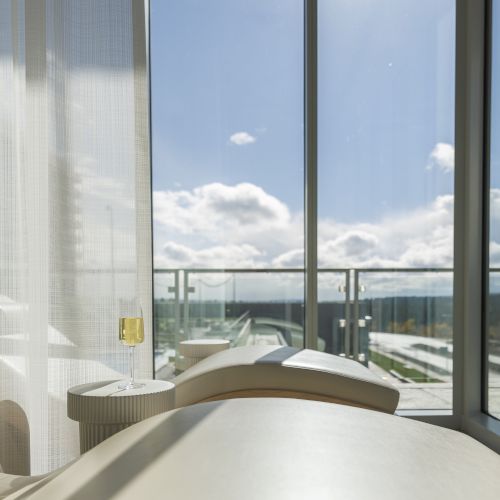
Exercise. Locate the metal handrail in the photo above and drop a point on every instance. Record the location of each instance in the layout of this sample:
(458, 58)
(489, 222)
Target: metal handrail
(301, 270)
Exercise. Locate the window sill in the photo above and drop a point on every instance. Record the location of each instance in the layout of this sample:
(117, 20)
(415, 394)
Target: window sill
(483, 428)
(443, 418)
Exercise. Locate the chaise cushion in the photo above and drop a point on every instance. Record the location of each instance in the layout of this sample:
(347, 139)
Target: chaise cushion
(10, 483)
(279, 449)
(254, 371)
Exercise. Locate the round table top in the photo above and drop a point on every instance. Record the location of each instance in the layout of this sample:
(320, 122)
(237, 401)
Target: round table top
(105, 403)
(205, 342)
(201, 348)
(109, 388)
(280, 449)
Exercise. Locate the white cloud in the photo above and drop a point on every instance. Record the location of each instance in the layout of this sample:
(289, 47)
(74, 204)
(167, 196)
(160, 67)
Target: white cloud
(217, 225)
(243, 226)
(353, 244)
(417, 238)
(216, 214)
(290, 259)
(442, 157)
(220, 256)
(242, 138)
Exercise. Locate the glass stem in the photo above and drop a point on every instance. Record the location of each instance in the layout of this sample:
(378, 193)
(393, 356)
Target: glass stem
(131, 364)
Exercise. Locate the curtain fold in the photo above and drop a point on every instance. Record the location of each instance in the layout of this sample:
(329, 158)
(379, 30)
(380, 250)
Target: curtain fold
(75, 217)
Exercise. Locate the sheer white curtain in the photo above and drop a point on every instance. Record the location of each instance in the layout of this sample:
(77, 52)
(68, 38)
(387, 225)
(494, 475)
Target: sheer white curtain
(75, 235)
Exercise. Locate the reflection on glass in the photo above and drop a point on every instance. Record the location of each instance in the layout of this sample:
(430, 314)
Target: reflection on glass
(493, 318)
(385, 190)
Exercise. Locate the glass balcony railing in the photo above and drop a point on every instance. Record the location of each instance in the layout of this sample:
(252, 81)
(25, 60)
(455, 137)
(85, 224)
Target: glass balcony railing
(397, 322)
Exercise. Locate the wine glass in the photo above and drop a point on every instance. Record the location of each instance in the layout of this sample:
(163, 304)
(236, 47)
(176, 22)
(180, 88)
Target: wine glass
(131, 333)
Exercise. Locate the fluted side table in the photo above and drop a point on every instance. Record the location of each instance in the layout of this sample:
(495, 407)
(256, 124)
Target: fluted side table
(102, 409)
(193, 351)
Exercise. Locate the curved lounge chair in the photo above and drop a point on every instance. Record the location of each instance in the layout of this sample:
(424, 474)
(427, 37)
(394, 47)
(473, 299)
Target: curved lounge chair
(11, 484)
(279, 449)
(274, 371)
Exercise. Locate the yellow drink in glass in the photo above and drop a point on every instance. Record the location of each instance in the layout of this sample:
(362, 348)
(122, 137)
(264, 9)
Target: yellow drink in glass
(131, 331)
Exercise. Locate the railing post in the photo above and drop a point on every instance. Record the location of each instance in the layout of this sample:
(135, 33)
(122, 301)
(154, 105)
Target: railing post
(355, 338)
(177, 303)
(187, 333)
(347, 333)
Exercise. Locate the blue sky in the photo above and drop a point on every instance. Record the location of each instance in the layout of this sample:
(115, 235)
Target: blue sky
(386, 98)
(227, 94)
(219, 67)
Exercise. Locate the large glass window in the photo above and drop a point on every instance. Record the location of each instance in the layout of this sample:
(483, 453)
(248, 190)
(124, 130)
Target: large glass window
(227, 94)
(385, 190)
(228, 129)
(492, 359)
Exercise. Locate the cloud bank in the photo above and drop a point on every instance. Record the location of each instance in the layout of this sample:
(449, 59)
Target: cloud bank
(217, 225)
(252, 225)
(242, 226)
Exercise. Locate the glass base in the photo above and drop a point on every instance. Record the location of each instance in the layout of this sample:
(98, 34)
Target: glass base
(129, 384)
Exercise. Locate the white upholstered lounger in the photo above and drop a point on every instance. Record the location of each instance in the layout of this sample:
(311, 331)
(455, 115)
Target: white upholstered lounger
(279, 449)
(274, 371)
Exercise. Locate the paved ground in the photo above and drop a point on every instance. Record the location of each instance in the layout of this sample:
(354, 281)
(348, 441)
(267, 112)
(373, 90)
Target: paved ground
(414, 396)
(435, 396)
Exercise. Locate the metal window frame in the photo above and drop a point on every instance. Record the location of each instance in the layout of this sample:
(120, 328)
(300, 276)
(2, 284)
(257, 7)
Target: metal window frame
(467, 218)
(311, 172)
(471, 73)
(470, 229)
(147, 27)
(486, 202)
(470, 168)
(468, 202)
(442, 417)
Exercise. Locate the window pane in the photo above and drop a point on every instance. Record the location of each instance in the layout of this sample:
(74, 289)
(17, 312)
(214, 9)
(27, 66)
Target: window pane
(227, 95)
(493, 329)
(386, 161)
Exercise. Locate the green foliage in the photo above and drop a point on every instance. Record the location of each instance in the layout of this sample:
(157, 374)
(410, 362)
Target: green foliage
(388, 364)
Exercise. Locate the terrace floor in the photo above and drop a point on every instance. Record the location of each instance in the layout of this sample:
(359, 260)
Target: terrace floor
(413, 395)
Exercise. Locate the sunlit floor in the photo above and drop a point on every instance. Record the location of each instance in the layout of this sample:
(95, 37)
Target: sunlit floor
(412, 396)
(436, 395)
